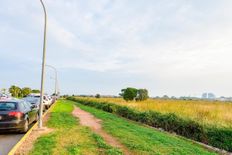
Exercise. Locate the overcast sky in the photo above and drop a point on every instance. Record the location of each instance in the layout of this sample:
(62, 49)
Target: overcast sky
(173, 47)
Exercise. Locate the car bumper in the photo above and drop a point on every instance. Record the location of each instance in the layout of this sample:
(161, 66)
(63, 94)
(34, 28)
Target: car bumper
(12, 125)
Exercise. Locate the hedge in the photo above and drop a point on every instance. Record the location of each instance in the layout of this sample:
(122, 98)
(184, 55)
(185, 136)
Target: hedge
(217, 137)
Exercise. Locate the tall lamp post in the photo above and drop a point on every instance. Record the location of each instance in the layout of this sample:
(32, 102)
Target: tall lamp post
(40, 124)
(56, 80)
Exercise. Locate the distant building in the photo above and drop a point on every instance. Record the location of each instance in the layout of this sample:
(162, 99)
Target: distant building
(208, 96)
(211, 96)
(204, 96)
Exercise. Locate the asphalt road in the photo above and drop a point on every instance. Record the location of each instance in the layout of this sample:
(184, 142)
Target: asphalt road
(7, 141)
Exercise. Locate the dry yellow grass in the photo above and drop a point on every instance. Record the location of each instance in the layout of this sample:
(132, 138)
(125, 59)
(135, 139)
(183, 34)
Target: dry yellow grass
(206, 112)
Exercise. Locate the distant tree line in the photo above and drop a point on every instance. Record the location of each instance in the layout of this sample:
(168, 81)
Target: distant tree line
(18, 92)
(130, 94)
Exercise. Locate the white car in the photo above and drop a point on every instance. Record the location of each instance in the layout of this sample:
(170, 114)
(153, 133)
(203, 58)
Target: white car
(46, 101)
(34, 101)
(4, 96)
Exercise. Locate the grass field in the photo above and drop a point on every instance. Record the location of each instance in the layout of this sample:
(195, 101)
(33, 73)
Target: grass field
(71, 138)
(205, 112)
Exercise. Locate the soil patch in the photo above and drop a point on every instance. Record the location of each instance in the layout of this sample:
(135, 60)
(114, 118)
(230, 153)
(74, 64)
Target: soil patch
(87, 119)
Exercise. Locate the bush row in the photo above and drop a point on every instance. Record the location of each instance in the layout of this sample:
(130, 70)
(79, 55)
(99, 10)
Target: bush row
(217, 137)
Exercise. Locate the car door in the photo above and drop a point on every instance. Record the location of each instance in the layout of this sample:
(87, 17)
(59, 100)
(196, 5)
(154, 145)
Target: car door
(27, 110)
(24, 109)
(32, 111)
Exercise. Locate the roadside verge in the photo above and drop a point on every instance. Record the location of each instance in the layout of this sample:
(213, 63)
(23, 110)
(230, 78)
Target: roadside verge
(17, 145)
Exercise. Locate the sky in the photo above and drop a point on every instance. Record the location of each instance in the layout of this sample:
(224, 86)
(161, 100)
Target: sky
(172, 47)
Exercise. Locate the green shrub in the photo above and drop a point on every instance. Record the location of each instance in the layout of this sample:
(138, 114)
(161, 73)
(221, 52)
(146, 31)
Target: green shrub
(221, 138)
(217, 137)
(107, 107)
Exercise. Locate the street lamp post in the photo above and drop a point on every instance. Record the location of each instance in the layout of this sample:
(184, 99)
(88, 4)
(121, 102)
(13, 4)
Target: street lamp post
(40, 124)
(56, 80)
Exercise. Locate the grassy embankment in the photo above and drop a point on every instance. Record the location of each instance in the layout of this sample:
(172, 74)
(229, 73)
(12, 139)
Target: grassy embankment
(214, 135)
(214, 113)
(71, 138)
(144, 140)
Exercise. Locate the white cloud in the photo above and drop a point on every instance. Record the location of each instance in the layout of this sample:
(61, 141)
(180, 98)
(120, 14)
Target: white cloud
(175, 39)
(191, 40)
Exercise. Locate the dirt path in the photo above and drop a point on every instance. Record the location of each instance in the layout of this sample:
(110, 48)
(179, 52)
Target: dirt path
(87, 119)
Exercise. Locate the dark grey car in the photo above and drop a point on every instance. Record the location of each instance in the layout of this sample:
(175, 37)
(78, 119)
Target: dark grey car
(17, 115)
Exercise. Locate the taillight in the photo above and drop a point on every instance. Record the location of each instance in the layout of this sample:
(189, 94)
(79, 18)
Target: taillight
(15, 114)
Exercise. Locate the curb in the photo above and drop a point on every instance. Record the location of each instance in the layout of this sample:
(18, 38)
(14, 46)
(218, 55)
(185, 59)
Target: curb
(17, 145)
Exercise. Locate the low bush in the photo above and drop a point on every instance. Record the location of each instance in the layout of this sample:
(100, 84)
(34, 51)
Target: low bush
(220, 138)
(217, 137)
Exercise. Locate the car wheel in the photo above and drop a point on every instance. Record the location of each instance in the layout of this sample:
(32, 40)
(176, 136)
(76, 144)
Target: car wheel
(25, 127)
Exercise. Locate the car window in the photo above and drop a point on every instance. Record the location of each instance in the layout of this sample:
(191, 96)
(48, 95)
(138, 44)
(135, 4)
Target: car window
(31, 100)
(7, 106)
(28, 104)
(25, 105)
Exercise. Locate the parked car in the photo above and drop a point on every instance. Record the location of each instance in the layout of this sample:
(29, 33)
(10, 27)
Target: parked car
(17, 115)
(4, 96)
(46, 102)
(50, 99)
(53, 99)
(34, 101)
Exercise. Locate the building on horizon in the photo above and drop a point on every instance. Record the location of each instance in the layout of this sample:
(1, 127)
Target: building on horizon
(208, 96)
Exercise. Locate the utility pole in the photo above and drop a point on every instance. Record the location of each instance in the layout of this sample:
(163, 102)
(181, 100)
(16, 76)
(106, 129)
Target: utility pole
(40, 124)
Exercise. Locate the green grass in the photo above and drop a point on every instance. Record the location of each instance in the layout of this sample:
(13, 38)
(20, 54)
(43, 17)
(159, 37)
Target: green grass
(144, 140)
(69, 138)
(44, 145)
(107, 148)
(170, 122)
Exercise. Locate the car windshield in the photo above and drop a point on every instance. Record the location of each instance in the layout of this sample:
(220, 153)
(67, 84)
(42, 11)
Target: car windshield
(31, 99)
(7, 106)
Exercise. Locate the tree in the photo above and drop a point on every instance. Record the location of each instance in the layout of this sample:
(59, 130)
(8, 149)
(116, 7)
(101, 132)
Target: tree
(26, 91)
(98, 96)
(173, 97)
(142, 94)
(15, 91)
(129, 94)
(165, 97)
(35, 91)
